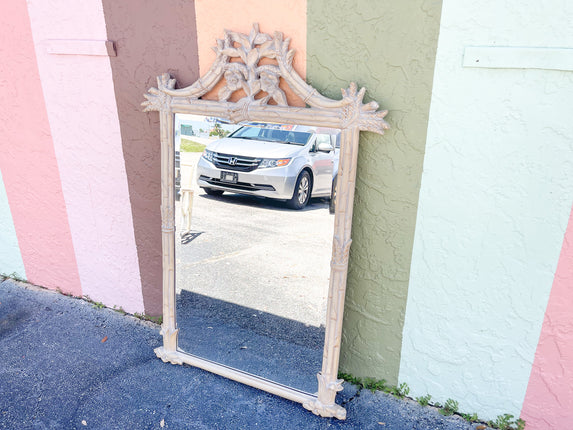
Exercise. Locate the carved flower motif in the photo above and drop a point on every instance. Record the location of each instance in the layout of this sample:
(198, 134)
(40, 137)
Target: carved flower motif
(234, 80)
(269, 83)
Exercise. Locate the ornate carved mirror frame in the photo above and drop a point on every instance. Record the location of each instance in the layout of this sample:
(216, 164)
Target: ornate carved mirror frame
(237, 64)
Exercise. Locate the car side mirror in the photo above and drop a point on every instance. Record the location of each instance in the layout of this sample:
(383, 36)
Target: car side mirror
(325, 147)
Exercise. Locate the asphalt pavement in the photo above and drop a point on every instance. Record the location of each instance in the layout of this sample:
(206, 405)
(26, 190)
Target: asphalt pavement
(67, 364)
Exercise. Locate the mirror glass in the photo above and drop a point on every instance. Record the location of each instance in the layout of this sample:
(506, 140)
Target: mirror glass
(253, 242)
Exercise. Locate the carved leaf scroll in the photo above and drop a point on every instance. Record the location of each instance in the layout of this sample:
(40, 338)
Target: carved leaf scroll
(159, 98)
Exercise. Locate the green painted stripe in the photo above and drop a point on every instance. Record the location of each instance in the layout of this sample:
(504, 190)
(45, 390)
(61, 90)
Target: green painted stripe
(388, 47)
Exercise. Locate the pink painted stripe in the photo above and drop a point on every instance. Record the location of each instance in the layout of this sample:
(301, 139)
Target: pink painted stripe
(84, 122)
(28, 161)
(549, 398)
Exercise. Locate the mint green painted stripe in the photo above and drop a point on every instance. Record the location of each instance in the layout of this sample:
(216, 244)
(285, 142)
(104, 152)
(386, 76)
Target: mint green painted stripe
(494, 205)
(10, 258)
(388, 47)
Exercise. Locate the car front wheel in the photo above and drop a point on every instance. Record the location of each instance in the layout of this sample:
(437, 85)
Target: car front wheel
(301, 194)
(213, 192)
(332, 206)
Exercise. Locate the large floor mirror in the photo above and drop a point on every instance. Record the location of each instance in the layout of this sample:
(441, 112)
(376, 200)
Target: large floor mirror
(256, 217)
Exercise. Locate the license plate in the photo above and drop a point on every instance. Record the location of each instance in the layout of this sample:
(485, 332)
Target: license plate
(229, 177)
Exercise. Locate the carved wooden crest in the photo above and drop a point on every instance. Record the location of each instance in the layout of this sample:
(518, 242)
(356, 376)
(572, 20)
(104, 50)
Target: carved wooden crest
(238, 62)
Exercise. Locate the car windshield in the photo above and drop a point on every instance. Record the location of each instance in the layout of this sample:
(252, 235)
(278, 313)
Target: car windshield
(278, 134)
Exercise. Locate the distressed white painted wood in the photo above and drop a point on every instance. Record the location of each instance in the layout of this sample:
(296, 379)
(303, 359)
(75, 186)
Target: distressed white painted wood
(260, 84)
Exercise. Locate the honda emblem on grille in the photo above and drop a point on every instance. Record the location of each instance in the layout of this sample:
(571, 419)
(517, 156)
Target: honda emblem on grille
(233, 161)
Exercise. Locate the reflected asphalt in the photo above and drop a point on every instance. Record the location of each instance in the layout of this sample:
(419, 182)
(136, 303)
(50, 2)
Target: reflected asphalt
(57, 372)
(252, 283)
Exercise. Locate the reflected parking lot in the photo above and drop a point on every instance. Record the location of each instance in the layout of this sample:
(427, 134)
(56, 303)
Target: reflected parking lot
(256, 252)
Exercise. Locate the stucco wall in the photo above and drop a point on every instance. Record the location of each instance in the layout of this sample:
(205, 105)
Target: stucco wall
(150, 39)
(495, 199)
(460, 288)
(27, 160)
(389, 47)
(84, 123)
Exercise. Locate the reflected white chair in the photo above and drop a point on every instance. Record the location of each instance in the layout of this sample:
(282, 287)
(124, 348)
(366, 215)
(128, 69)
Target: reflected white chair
(187, 171)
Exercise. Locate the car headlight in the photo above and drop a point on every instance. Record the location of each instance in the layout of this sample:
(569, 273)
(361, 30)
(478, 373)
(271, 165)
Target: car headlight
(273, 162)
(208, 155)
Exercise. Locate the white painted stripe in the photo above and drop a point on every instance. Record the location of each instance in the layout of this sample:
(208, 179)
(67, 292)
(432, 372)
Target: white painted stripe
(10, 257)
(518, 58)
(494, 203)
(84, 122)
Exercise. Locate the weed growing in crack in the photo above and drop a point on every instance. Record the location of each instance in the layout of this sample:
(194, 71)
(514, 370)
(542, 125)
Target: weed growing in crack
(144, 317)
(13, 276)
(450, 407)
(424, 400)
(97, 305)
(470, 418)
(375, 385)
(507, 422)
(502, 422)
(119, 309)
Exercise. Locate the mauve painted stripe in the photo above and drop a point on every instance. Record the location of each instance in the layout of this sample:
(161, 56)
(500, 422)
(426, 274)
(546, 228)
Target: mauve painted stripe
(83, 118)
(550, 385)
(28, 163)
(10, 258)
(142, 55)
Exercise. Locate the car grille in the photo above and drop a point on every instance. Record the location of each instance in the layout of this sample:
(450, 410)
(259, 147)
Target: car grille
(238, 186)
(234, 162)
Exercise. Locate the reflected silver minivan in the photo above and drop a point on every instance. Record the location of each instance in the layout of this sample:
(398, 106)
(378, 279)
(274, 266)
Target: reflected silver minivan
(279, 161)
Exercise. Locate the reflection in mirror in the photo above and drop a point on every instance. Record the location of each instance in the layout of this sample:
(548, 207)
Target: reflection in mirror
(253, 244)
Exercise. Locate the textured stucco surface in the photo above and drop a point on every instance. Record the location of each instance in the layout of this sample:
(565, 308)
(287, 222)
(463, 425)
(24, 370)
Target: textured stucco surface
(80, 102)
(389, 48)
(27, 160)
(150, 39)
(10, 257)
(549, 399)
(286, 16)
(495, 199)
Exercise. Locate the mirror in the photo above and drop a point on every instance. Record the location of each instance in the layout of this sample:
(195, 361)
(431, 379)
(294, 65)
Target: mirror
(255, 68)
(251, 271)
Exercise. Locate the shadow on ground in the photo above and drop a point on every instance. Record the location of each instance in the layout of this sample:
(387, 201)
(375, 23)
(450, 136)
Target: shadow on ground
(276, 348)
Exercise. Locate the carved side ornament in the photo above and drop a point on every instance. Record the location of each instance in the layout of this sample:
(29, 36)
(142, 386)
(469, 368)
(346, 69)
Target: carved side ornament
(326, 389)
